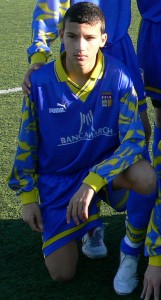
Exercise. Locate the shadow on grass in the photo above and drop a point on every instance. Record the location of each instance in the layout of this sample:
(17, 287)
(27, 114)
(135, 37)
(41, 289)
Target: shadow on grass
(24, 276)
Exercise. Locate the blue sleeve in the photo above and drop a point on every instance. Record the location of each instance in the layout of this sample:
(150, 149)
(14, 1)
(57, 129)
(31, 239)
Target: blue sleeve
(23, 174)
(132, 140)
(46, 19)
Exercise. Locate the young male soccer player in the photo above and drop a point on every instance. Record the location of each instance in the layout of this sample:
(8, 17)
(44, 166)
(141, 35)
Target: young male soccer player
(149, 54)
(47, 16)
(46, 19)
(81, 139)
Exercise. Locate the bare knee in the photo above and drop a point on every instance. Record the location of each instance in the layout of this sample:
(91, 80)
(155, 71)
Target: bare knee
(62, 263)
(142, 177)
(61, 275)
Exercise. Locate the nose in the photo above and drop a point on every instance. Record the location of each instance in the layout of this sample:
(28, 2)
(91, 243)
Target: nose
(81, 44)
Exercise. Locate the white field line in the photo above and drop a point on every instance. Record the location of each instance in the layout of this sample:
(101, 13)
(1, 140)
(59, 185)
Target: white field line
(14, 90)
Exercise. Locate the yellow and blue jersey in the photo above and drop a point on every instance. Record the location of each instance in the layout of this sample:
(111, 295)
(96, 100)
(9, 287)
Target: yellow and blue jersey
(97, 126)
(71, 134)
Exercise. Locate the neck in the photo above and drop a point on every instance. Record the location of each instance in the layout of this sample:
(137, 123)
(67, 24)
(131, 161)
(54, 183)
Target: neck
(79, 78)
(78, 75)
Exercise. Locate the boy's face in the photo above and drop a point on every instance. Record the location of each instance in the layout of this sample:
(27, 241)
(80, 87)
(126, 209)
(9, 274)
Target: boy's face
(82, 42)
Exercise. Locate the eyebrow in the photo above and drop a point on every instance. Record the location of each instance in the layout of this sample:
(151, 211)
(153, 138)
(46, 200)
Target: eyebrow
(86, 34)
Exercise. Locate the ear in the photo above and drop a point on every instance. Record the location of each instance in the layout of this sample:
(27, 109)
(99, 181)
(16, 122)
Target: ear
(61, 34)
(103, 40)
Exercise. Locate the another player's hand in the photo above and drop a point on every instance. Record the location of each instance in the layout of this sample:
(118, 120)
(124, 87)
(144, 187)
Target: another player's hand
(26, 85)
(152, 283)
(79, 203)
(32, 216)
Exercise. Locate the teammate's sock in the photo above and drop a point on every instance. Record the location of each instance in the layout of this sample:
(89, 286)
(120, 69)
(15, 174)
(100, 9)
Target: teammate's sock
(139, 208)
(130, 248)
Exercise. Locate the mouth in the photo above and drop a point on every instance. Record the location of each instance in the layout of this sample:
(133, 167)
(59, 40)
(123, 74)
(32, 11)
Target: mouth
(80, 57)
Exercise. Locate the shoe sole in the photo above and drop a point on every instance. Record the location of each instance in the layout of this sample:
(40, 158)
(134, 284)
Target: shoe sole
(95, 257)
(123, 293)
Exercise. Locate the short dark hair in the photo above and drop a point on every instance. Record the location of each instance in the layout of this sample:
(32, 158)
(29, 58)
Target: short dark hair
(85, 12)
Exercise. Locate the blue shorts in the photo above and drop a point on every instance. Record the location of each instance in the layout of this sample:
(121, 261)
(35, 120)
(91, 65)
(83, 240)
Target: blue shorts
(149, 55)
(124, 51)
(57, 232)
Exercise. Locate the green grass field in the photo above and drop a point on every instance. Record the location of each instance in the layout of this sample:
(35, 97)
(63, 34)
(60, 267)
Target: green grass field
(23, 274)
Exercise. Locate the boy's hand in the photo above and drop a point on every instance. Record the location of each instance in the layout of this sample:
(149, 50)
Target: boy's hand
(152, 283)
(26, 82)
(32, 216)
(79, 203)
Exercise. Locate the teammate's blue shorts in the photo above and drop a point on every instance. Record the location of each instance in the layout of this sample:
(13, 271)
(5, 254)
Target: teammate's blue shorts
(149, 55)
(124, 51)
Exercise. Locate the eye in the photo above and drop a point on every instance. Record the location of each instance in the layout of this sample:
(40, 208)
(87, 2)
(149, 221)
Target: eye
(71, 36)
(90, 38)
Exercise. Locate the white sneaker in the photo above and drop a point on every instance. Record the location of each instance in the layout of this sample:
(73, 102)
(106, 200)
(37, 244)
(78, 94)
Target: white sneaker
(126, 279)
(93, 246)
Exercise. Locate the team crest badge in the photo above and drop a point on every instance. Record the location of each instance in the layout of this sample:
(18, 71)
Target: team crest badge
(106, 99)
